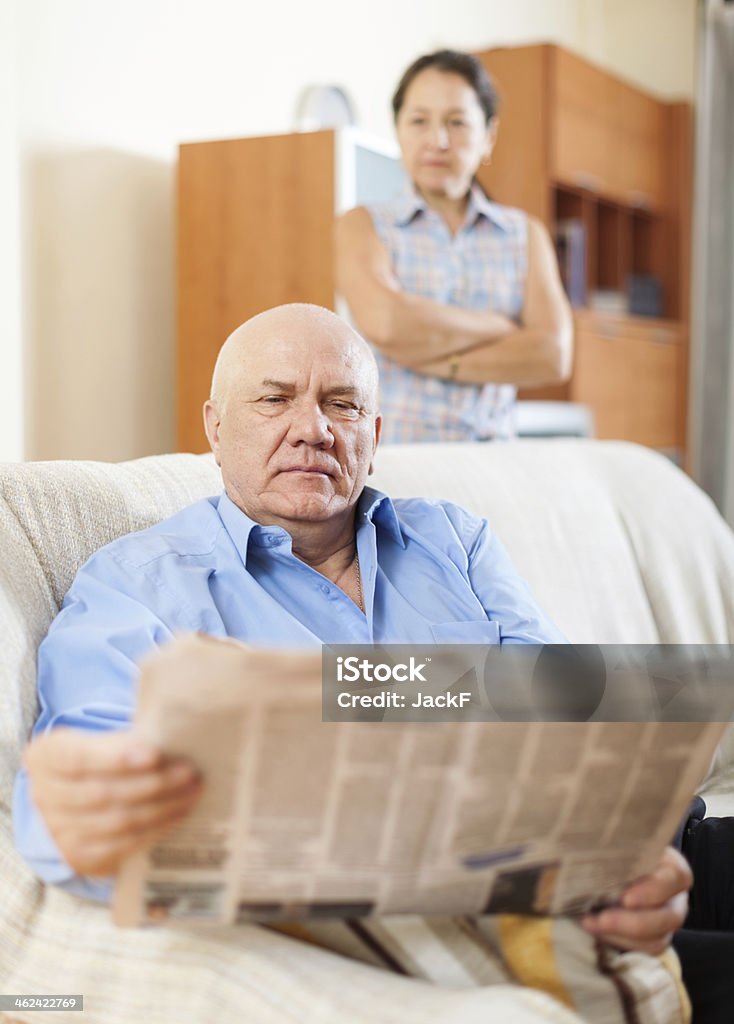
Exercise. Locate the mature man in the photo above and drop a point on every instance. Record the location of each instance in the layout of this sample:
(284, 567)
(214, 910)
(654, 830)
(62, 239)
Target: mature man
(297, 551)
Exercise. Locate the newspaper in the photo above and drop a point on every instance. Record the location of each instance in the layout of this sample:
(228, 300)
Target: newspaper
(305, 818)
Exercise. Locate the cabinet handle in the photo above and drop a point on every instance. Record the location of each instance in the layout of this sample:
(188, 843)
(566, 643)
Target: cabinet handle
(640, 200)
(591, 182)
(605, 329)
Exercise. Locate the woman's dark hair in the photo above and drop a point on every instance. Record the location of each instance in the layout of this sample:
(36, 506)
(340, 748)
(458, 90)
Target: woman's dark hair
(470, 68)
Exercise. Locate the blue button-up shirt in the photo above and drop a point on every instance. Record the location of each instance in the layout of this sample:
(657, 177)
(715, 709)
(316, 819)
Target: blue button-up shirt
(431, 572)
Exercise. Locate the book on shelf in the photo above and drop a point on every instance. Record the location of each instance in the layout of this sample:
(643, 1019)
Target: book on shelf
(570, 242)
(644, 295)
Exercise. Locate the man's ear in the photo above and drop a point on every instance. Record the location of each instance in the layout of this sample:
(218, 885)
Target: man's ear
(212, 421)
(378, 430)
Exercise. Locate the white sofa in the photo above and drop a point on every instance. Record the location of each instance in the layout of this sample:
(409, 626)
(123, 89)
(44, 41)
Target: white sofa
(618, 545)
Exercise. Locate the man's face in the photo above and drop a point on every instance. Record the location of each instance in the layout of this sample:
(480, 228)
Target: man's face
(296, 430)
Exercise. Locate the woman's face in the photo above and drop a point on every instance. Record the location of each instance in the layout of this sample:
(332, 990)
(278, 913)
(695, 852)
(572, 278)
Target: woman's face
(442, 133)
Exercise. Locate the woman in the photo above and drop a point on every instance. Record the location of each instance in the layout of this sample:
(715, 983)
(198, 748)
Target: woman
(460, 297)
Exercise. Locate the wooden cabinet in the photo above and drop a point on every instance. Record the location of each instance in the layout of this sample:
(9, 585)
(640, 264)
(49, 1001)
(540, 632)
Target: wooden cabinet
(255, 229)
(607, 136)
(613, 355)
(245, 242)
(577, 144)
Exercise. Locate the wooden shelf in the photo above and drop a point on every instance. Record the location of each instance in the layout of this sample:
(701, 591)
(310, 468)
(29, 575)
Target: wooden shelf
(578, 144)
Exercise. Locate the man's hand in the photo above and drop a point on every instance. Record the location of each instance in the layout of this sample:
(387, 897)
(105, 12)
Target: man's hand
(106, 796)
(650, 911)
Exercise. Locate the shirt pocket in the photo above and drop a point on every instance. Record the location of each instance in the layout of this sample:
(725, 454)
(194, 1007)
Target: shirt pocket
(476, 631)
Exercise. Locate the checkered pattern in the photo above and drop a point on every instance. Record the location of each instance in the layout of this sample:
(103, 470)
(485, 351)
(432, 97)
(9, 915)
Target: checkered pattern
(482, 267)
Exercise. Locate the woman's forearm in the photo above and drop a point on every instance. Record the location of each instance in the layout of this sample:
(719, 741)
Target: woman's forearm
(526, 356)
(468, 345)
(417, 331)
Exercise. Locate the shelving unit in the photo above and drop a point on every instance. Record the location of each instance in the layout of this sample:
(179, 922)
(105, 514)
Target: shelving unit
(579, 144)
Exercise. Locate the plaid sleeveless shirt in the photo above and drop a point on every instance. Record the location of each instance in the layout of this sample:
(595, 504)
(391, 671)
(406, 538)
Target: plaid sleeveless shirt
(483, 266)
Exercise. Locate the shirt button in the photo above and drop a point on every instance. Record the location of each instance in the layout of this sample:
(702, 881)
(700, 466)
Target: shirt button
(324, 588)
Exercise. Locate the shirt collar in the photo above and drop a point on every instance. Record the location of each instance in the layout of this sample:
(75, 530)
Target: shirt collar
(244, 530)
(373, 507)
(407, 205)
(377, 508)
(481, 205)
(410, 203)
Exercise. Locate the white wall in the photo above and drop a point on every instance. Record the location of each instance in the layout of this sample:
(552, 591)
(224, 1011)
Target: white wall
(12, 411)
(106, 92)
(650, 42)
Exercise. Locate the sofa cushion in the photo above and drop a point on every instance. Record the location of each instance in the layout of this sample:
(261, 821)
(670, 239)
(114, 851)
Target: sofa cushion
(53, 515)
(618, 546)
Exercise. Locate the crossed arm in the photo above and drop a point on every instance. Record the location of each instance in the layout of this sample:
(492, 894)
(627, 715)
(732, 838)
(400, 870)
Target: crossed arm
(471, 346)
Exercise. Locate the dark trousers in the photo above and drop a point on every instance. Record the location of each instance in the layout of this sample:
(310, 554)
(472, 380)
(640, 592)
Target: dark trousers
(705, 944)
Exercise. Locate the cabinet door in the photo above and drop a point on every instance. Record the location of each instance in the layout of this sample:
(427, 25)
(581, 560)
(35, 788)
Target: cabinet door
(255, 225)
(582, 140)
(601, 379)
(653, 369)
(521, 76)
(607, 136)
(628, 373)
(639, 133)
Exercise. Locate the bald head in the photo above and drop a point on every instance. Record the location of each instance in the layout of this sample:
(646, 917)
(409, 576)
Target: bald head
(310, 327)
(292, 419)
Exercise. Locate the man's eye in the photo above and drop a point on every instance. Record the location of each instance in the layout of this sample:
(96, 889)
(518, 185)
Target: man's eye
(457, 123)
(273, 399)
(344, 406)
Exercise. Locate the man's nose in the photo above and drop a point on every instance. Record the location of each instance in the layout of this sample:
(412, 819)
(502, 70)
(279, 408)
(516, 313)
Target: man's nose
(311, 425)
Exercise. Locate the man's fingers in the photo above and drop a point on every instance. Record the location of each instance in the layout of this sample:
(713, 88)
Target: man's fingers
(74, 754)
(645, 930)
(103, 791)
(104, 796)
(100, 857)
(653, 947)
(135, 819)
(671, 876)
(642, 925)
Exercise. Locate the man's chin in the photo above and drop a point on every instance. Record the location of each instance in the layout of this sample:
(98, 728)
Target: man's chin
(308, 507)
